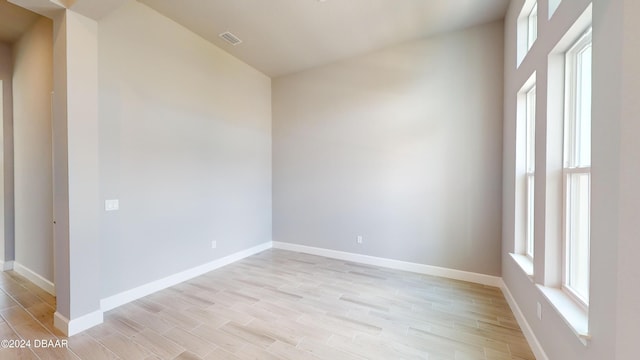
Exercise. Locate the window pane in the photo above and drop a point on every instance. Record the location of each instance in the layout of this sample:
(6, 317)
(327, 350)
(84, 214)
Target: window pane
(583, 108)
(532, 26)
(530, 167)
(530, 208)
(578, 233)
(531, 130)
(578, 167)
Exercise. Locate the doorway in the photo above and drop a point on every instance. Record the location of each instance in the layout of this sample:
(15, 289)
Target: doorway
(27, 211)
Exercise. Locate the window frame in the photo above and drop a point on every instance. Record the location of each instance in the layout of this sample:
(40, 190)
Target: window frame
(526, 29)
(572, 165)
(532, 26)
(529, 188)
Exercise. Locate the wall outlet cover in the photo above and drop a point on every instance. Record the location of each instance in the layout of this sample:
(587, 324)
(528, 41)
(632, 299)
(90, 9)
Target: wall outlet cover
(539, 311)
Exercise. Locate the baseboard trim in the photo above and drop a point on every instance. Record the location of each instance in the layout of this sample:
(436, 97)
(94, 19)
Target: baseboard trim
(128, 296)
(537, 349)
(6, 265)
(79, 324)
(394, 264)
(34, 277)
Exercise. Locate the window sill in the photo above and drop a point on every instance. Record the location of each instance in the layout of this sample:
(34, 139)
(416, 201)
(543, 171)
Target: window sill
(573, 314)
(525, 263)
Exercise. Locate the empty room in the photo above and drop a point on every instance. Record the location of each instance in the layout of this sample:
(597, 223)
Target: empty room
(319, 179)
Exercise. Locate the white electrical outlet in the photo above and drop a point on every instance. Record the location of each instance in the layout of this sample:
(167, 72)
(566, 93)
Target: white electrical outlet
(214, 244)
(359, 239)
(111, 205)
(539, 312)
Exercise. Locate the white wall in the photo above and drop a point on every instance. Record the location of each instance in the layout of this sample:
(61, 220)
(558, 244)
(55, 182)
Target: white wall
(32, 86)
(614, 311)
(401, 146)
(627, 60)
(6, 167)
(184, 144)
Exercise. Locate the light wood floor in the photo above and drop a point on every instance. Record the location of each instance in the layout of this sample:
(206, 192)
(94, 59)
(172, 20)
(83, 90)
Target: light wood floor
(281, 305)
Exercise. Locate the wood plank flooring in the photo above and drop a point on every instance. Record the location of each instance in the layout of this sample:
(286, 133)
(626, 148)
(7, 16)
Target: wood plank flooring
(281, 305)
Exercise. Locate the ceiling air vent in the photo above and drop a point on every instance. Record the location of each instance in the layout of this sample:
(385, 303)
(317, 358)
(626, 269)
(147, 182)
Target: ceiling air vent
(230, 38)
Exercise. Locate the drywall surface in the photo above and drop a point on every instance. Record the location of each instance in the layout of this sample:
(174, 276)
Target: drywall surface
(6, 167)
(402, 146)
(185, 146)
(32, 86)
(628, 300)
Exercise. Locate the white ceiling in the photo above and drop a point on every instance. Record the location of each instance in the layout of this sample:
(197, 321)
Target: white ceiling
(285, 36)
(14, 21)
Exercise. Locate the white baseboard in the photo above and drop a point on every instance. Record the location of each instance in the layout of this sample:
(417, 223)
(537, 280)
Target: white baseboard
(537, 349)
(394, 264)
(6, 265)
(79, 324)
(127, 296)
(34, 277)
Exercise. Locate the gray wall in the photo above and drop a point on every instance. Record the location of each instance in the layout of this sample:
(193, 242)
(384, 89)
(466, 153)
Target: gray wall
(401, 146)
(6, 167)
(614, 315)
(184, 144)
(32, 86)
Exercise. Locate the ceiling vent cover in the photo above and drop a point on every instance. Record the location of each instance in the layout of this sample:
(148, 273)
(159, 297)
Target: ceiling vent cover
(230, 38)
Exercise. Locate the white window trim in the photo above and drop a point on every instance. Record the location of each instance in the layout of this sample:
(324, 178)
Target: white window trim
(530, 174)
(530, 194)
(526, 29)
(569, 159)
(524, 167)
(574, 315)
(575, 296)
(525, 263)
(532, 25)
(570, 97)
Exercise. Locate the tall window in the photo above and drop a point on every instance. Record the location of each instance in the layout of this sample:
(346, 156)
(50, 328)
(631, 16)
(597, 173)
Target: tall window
(532, 26)
(577, 168)
(530, 148)
(527, 31)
